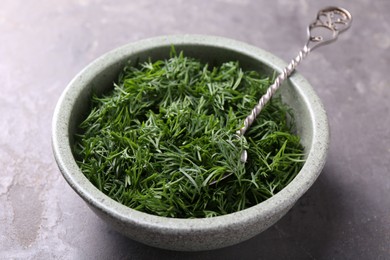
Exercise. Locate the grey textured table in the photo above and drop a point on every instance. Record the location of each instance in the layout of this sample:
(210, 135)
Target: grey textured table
(43, 44)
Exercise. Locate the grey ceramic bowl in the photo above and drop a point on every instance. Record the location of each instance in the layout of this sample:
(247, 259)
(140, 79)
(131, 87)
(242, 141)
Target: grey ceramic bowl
(190, 234)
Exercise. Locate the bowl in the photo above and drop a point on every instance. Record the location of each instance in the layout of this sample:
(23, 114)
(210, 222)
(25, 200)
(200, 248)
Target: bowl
(202, 233)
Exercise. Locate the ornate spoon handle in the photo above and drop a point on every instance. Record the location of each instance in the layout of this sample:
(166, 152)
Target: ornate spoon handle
(330, 22)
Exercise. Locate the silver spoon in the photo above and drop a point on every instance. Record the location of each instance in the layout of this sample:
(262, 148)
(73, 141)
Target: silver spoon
(330, 22)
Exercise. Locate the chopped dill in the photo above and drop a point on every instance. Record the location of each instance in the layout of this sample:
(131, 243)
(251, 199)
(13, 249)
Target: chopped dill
(167, 130)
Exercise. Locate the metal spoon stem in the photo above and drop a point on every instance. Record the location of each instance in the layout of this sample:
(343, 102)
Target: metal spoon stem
(272, 89)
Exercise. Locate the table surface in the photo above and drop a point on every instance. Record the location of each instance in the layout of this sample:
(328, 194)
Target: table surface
(43, 44)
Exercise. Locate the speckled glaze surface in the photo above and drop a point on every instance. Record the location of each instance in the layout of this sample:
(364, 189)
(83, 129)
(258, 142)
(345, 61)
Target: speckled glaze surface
(190, 234)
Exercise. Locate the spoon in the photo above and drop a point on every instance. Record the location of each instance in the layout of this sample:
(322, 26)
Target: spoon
(330, 22)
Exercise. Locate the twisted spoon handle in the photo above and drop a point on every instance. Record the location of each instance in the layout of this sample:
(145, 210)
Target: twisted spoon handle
(272, 89)
(330, 22)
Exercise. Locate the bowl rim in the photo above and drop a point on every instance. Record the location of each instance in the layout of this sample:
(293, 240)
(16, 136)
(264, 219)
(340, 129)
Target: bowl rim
(280, 201)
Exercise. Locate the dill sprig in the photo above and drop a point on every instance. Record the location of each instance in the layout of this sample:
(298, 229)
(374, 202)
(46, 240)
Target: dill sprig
(167, 130)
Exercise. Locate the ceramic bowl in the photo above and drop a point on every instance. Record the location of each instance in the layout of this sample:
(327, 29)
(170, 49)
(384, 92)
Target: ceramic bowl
(190, 234)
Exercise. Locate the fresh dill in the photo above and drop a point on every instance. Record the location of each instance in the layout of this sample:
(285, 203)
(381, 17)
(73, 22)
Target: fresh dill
(167, 130)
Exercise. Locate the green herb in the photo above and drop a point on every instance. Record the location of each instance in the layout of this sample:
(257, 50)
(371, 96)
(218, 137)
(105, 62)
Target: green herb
(167, 130)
